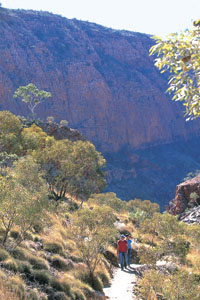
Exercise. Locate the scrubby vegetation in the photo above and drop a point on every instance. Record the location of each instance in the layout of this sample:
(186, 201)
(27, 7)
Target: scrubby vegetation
(58, 232)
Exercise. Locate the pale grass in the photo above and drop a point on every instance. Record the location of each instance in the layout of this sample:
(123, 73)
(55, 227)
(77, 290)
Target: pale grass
(194, 258)
(6, 294)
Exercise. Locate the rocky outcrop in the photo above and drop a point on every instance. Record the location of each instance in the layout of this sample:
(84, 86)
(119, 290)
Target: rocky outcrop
(183, 198)
(192, 216)
(60, 132)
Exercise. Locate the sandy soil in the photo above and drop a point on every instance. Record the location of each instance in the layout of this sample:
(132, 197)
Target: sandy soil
(122, 284)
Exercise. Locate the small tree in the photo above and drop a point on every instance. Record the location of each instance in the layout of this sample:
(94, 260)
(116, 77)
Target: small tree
(10, 130)
(193, 199)
(72, 167)
(108, 199)
(50, 119)
(23, 198)
(64, 123)
(93, 230)
(32, 96)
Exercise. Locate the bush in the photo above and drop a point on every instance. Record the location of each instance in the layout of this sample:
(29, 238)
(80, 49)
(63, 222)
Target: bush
(60, 263)
(38, 263)
(54, 247)
(61, 285)
(42, 276)
(58, 296)
(19, 253)
(23, 267)
(10, 264)
(3, 254)
(78, 294)
(15, 234)
(104, 276)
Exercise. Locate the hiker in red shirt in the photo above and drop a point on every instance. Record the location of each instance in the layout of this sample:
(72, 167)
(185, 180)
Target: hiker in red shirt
(122, 251)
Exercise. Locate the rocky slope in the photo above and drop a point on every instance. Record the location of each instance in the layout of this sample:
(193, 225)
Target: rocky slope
(102, 81)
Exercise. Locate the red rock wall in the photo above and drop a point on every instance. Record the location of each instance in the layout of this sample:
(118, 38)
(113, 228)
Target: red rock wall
(182, 198)
(102, 81)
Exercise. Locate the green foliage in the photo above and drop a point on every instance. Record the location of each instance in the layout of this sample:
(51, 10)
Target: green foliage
(146, 206)
(149, 255)
(50, 119)
(72, 167)
(64, 123)
(38, 263)
(23, 198)
(32, 96)
(179, 54)
(178, 286)
(10, 129)
(92, 230)
(108, 199)
(34, 138)
(3, 254)
(42, 276)
(167, 231)
(54, 247)
(60, 263)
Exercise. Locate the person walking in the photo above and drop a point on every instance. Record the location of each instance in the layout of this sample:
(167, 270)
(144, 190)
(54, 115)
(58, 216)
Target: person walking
(129, 241)
(122, 251)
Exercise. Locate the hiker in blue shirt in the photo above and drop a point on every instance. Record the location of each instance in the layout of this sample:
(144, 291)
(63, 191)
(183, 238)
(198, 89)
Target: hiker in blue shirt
(129, 241)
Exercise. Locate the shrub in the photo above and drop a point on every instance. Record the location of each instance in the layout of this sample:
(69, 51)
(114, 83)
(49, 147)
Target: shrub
(97, 283)
(62, 285)
(38, 263)
(15, 234)
(64, 123)
(10, 264)
(23, 266)
(54, 247)
(19, 253)
(3, 254)
(104, 276)
(58, 296)
(34, 295)
(42, 276)
(60, 263)
(29, 236)
(78, 294)
(50, 119)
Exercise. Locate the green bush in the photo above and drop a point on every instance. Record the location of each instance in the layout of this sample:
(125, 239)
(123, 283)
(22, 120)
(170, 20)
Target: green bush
(105, 277)
(23, 266)
(10, 264)
(38, 263)
(78, 294)
(60, 263)
(42, 276)
(58, 296)
(54, 247)
(15, 234)
(60, 285)
(3, 254)
(19, 253)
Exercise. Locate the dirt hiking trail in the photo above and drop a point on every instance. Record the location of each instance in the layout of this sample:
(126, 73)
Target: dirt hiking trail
(122, 284)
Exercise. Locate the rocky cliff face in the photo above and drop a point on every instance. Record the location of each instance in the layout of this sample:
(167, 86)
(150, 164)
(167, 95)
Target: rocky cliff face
(183, 198)
(102, 81)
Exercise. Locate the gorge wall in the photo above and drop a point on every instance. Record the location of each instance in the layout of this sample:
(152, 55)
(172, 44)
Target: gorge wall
(104, 83)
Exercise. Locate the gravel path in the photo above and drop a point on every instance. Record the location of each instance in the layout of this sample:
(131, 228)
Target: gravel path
(122, 284)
